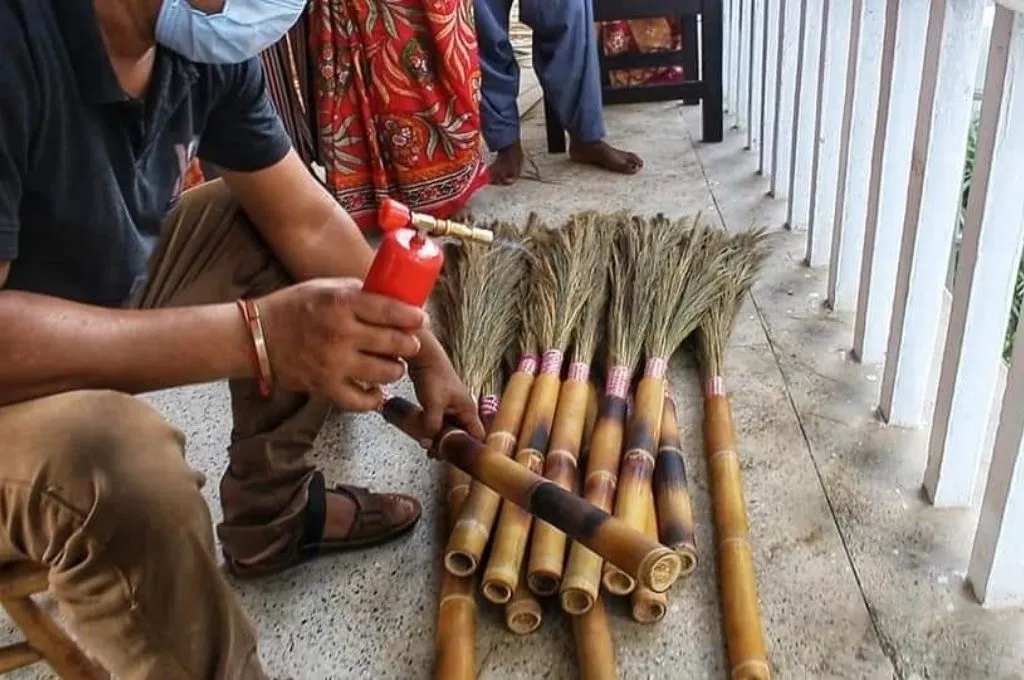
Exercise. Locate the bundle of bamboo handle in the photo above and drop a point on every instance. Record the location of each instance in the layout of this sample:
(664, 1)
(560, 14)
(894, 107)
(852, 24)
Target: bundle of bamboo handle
(646, 605)
(651, 563)
(455, 638)
(737, 581)
(686, 254)
(672, 492)
(629, 271)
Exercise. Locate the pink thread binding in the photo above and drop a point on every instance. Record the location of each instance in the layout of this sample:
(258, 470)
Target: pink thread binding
(489, 404)
(579, 371)
(617, 384)
(655, 368)
(552, 362)
(527, 364)
(715, 387)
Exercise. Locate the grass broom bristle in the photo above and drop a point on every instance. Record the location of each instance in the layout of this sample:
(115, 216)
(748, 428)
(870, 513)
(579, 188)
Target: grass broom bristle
(741, 259)
(632, 274)
(588, 333)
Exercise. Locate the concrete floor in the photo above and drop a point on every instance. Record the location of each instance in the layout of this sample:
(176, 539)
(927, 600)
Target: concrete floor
(859, 578)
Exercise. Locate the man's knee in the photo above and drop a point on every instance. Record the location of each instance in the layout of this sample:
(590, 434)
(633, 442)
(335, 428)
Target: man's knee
(102, 466)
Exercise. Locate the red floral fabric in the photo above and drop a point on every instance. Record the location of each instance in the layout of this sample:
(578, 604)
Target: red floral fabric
(397, 86)
(642, 35)
(194, 176)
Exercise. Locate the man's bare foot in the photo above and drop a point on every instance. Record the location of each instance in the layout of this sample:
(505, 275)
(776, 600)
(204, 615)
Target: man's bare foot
(604, 155)
(508, 165)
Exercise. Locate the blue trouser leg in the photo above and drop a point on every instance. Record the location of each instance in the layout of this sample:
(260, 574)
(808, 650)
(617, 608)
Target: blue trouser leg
(499, 74)
(565, 59)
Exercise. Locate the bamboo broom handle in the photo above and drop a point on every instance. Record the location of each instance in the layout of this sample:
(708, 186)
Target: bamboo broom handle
(645, 559)
(547, 547)
(504, 567)
(472, 530)
(595, 647)
(672, 492)
(648, 606)
(582, 577)
(637, 468)
(455, 639)
(523, 613)
(737, 581)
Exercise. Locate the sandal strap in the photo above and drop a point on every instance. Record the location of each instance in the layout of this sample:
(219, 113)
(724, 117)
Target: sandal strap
(371, 517)
(316, 514)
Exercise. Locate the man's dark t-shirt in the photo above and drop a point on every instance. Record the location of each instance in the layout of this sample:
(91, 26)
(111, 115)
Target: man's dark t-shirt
(87, 174)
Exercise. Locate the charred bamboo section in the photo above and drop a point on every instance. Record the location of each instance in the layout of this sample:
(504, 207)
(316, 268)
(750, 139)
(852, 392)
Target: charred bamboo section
(672, 492)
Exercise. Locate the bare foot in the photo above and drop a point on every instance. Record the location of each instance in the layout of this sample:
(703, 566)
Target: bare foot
(341, 515)
(604, 155)
(507, 165)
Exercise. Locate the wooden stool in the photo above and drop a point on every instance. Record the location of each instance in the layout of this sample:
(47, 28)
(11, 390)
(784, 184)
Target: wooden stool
(44, 639)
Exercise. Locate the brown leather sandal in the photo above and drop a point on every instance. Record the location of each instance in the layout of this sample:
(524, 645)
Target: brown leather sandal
(379, 518)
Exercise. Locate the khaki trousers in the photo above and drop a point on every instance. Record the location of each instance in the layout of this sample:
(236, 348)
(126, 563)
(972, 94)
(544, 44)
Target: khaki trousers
(95, 485)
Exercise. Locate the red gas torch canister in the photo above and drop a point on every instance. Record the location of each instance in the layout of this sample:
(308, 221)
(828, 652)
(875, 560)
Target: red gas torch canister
(408, 262)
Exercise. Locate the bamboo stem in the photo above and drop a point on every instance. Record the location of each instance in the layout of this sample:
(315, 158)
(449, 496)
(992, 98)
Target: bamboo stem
(523, 613)
(501, 577)
(637, 468)
(472, 530)
(583, 572)
(651, 563)
(547, 549)
(595, 646)
(672, 492)
(741, 615)
(647, 605)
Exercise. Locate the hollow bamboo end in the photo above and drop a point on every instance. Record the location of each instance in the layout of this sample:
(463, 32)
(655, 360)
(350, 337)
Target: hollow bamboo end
(688, 557)
(458, 563)
(752, 669)
(660, 569)
(523, 618)
(618, 582)
(649, 609)
(576, 601)
(497, 591)
(543, 584)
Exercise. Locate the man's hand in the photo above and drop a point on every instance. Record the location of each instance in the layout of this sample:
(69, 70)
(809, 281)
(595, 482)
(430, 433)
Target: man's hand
(439, 390)
(329, 338)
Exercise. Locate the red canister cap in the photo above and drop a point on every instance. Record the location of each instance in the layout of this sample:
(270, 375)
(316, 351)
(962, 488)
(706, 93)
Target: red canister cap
(393, 215)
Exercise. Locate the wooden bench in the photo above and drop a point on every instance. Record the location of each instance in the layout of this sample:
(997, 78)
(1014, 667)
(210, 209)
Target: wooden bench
(45, 641)
(704, 79)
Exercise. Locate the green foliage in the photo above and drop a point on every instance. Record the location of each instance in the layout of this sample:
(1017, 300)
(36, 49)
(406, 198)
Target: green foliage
(965, 189)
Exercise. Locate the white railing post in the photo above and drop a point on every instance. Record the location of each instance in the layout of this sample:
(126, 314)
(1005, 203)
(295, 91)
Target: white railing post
(805, 105)
(905, 24)
(863, 79)
(743, 27)
(769, 47)
(753, 79)
(998, 551)
(727, 44)
(828, 122)
(785, 86)
(933, 202)
(983, 287)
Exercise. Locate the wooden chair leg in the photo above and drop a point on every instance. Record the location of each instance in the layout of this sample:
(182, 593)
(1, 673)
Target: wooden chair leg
(711, 49)
(691, 64)
(556, 135)
(45, 637)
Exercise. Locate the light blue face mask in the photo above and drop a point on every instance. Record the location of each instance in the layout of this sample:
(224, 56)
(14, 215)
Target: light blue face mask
(240, 31)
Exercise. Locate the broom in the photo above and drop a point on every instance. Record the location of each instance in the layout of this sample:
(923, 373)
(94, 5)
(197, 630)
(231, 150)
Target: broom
(632, 274)
(646, 605)
(595, 647)
(737, 582)
(547, 546)
(689, 281)
(566, 261)
(477, 322)
(472, 530)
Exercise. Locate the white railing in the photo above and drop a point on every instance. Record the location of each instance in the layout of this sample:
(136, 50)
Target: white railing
(860, 112)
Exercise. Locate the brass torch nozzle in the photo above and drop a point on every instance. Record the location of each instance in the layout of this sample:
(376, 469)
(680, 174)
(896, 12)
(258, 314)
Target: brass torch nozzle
(457, 230)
